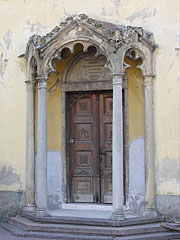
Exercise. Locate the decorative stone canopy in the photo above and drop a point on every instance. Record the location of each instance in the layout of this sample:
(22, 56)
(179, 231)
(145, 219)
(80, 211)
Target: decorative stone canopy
(113, 41)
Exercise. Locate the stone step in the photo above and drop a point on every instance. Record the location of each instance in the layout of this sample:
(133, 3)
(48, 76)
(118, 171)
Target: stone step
(69, 236)
(93, 221)
(152, 236)
(47, 235)
(28, 225)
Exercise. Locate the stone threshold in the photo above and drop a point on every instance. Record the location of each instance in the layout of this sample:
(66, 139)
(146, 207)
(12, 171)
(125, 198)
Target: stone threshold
(87, 206)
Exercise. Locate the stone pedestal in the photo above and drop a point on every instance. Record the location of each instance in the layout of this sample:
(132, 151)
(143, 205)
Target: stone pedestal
(117, 165)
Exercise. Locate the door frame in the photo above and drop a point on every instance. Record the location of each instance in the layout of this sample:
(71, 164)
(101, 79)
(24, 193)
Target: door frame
(69, 182)
(86, 87)
(65, 138)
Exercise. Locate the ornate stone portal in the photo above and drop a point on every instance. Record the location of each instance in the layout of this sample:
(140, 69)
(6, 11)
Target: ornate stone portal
(115, 42)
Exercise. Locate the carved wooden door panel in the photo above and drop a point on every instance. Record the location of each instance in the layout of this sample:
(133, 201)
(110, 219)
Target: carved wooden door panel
(83, 144)
(90, 147)
(105, 117)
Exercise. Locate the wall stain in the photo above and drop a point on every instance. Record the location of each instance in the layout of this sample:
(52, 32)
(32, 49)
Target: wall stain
(28, 22)
(22, 65)
(3, 59)
(170, 67)
(168, 170)
(103, 12)
(8, 176)
(8, 39)
(142, 14)
(35, 27)
(1, 66)
(117, 4)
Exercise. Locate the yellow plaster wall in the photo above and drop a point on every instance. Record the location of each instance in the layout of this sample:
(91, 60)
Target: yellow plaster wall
(19, 19)
(136, 101)
(54, 117)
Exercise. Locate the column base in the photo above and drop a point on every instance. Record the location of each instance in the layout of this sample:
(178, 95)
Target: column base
(150, 212)
(117, 216)
(40, 212)
(29, 208)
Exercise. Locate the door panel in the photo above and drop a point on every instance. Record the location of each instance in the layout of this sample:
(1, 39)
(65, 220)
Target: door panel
(105, 123)
(90, 147)
(83, 147)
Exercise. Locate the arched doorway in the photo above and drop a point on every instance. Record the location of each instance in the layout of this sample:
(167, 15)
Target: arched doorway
(89, 128)
(114, 43)
(88, 100)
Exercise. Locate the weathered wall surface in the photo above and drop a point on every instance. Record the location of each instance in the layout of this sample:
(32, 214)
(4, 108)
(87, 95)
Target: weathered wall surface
(21, 18)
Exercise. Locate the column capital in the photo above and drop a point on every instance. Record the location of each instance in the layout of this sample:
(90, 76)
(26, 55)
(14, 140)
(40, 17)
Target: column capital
(117, 78)
(30, 85)
(42, 82)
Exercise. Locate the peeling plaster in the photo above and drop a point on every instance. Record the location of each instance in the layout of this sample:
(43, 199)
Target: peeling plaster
(22, 64)
(170, 67)
(35, 27)
(103, 12)
(8, 176)
(3, 59)
(8, 40)
(28, 22)
(168, 170)
(117, 4)
(177, 48)
(65, 13)
(1, 66)
(136, 195)
(135, 203)
(142, 14)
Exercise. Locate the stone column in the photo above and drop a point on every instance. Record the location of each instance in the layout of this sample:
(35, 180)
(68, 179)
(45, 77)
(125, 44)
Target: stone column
(41, 164)
(117, 148)
(30, 193)
(149, 148)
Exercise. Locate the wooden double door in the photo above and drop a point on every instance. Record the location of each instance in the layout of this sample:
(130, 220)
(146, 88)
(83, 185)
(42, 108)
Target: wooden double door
(90, 146)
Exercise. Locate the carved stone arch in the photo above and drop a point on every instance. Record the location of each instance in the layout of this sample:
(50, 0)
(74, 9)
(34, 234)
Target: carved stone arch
(79, 57)
(47, 66)
(141, 51)
(32, 68)
(78, 75)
